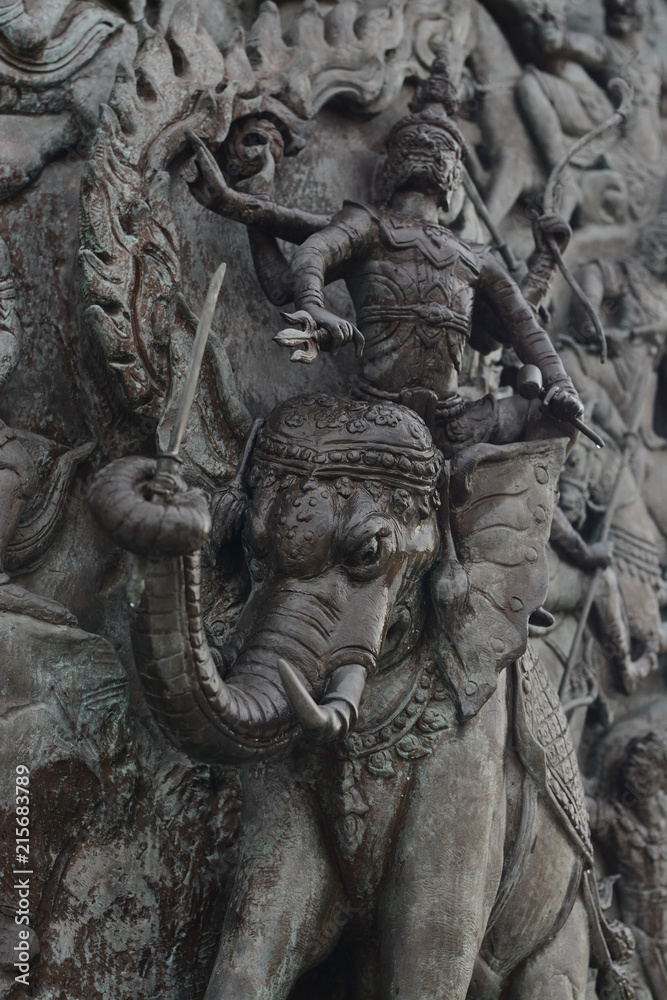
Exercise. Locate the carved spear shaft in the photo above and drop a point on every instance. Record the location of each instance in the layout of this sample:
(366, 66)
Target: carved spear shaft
(516, 267)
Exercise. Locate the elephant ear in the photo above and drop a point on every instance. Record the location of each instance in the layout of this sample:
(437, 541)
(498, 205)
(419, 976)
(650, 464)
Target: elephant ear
(501, 505)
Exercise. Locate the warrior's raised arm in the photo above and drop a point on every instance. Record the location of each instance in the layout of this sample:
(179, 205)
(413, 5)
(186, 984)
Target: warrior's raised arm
(212, 191)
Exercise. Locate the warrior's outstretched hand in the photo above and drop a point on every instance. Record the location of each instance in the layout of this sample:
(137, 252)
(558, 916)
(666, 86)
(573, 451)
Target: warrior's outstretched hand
(213, 192)
(564, 403)
(599, 554)
(340, 331)
(320, 330)
(551, 224)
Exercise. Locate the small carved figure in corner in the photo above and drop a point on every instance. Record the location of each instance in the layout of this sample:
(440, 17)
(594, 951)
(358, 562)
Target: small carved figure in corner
(629, 821)
(626, 612)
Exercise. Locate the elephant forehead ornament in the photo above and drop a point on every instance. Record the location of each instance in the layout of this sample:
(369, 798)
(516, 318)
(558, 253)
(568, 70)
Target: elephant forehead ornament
(328, 437)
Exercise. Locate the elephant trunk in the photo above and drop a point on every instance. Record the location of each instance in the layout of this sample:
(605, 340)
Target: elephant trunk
(308, 624)
(207, 718)
(246, 715)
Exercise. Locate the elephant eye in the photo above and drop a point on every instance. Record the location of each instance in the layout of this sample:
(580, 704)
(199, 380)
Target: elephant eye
(366, 556)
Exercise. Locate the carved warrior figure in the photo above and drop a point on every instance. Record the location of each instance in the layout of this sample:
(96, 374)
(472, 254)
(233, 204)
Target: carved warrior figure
(414, 285)
(626, 605)
(488, 84)
(562, 97)
(630, 294)
(23, 539)
(411, 772)
(558, 97)
(629, 821)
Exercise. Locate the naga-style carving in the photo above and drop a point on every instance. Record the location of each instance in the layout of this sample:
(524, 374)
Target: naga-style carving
(128, 261)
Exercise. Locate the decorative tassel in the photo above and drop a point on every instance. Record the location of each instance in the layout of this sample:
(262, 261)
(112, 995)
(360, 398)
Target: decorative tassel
(228, 510)
(232, 501)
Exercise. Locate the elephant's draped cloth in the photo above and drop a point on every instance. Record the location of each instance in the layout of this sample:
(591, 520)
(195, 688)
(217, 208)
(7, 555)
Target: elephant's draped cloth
(501, 504)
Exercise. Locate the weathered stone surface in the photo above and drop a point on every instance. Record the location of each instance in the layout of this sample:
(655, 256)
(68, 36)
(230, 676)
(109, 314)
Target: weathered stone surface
(113, 821)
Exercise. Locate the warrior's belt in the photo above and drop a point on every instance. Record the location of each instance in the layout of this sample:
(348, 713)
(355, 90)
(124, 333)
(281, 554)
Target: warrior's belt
(432, 314)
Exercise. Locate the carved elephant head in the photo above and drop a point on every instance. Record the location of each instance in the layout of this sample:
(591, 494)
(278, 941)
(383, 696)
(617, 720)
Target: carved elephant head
(340, 531)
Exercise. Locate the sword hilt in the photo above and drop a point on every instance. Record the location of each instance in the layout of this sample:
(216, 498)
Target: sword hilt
(529, 385)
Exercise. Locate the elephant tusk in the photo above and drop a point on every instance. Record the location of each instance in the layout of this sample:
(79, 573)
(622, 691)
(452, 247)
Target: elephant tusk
(338, 714)
(313, 719)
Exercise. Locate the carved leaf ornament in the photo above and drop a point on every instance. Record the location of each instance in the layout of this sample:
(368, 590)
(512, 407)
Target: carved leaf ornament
(128, 257)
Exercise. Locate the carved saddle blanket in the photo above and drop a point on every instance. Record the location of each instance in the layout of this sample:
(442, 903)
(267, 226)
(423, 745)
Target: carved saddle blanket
(545, 748)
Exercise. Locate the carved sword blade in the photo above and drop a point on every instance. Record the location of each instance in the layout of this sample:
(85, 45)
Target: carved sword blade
(192, 376)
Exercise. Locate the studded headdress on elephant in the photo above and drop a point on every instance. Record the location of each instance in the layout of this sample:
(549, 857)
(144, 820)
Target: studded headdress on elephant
(341, 527)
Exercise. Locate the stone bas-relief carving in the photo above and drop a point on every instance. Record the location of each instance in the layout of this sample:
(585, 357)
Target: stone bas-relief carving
(386, 621)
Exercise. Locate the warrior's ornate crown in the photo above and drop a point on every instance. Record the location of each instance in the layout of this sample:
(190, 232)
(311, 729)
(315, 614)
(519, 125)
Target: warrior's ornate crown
(435, 99)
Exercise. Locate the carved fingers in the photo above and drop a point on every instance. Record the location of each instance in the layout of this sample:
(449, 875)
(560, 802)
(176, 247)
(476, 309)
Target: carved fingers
(344, 332)
(599, 554)
(554, 225)
(562, 404)
(210, 187)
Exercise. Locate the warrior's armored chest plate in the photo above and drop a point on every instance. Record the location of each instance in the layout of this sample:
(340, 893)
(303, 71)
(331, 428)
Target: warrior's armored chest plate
(414, 297)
